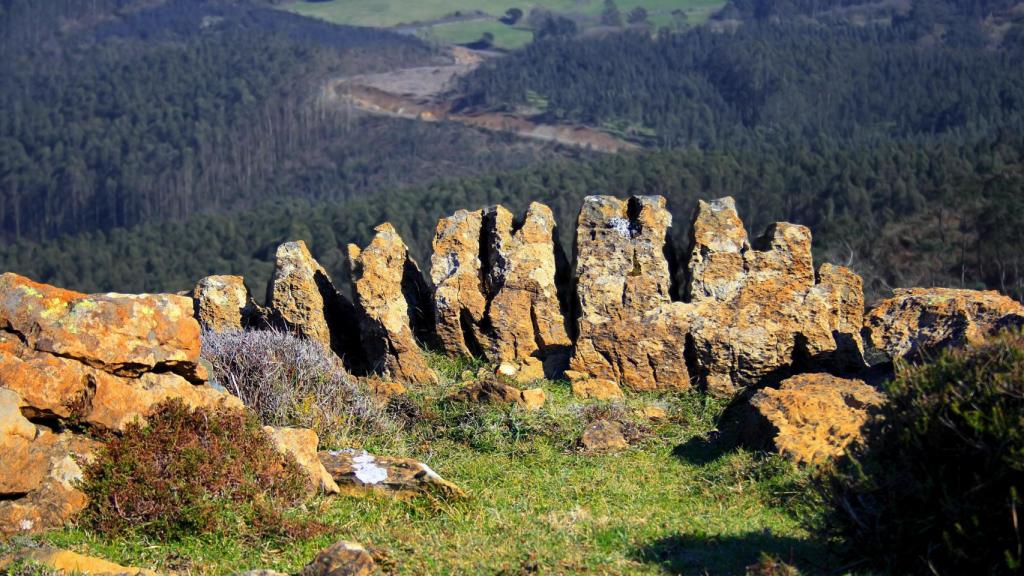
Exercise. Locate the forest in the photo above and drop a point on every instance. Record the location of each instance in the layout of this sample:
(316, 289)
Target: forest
(898, 141)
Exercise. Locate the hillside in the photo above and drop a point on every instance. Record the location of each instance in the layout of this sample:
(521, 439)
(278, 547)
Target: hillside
(465, 22)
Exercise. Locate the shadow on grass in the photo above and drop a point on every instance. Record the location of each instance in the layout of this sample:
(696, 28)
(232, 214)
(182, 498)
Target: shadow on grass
(701, 450)
(728, 555)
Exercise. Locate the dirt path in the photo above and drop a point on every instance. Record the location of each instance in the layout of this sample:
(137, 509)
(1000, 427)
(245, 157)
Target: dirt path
(418, 93)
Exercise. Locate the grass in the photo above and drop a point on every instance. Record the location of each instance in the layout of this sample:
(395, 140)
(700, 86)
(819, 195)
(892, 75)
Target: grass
(667, 505)
(388, 13)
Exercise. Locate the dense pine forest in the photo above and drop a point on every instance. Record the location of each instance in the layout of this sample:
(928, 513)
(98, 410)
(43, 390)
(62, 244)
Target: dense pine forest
(193, 107)
(168, 143)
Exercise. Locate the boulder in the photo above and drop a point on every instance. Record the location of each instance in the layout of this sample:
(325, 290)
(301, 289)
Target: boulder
(596, 389)
(520, 274)
(224, 304)
(303, 299)
(918, 323)
(301, 444)
(604, 436)
(759, 306)
(459, 299)
(629, 329)
(101, 360)
(810, 418)
(39, 470)
(490, 390)
(68, 562)
(387, 285)
(357, 471)
(121, 334)
(342, 558)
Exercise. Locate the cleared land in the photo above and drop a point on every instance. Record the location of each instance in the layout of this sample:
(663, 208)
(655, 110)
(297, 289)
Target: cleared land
(536, 504)
(433, 18)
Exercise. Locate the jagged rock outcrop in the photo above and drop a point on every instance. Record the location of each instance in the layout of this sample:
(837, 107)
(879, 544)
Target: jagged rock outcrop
(38, 471)
(759, 306)
(102, 360)
(810, 418)
(918, 323)
(358, 471)
(520, 276)
(629, 329)
(459, 300)
(303, 299)
(393, 303)
(224, 304)
(496, 287)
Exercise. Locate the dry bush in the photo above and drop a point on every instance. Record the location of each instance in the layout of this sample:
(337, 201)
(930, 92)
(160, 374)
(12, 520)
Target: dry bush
(290, 381)
(194, 471)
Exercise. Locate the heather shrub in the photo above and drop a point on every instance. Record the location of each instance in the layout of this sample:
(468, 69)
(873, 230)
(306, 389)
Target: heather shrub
(290, 381)
(938, 485)
(191, 471)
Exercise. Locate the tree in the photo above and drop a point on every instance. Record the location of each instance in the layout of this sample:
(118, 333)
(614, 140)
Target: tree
(511, 17)
(611, 16)
(637, 15)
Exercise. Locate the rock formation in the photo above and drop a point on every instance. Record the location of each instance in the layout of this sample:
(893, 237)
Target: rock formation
(629, 330)
(359, 471)
(759, 306)
(39, 471)
(459, 300)
(100, 361)
(303, 299)
(393, 303)
(918, 323)
(521, 267)
(810, 418)
(224, 304)
(495, 287)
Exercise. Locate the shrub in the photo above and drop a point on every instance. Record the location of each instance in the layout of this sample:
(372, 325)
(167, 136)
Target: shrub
(193, 471)
(937, 486)
(291, 381)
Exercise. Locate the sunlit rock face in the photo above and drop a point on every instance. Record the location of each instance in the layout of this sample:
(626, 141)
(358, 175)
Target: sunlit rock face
(759, 306)
(918, 323)
(392, 299)
(496, 291)
(628, 329)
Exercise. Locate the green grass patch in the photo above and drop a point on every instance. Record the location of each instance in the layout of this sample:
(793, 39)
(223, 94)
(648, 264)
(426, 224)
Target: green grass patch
(536, 502)
(389, 13)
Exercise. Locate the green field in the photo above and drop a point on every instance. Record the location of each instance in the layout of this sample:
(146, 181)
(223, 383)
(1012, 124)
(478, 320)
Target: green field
(388, 13)
(537, 504)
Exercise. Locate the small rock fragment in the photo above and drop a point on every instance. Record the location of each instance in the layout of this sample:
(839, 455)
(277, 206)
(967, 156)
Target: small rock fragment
(357, 471)
(68, 562)
(596, 389)
(301, 444)
(342, 558)
(533, 399)
(604, 436)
